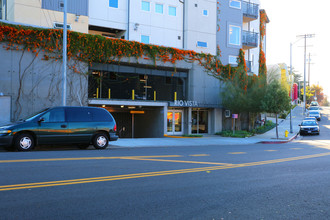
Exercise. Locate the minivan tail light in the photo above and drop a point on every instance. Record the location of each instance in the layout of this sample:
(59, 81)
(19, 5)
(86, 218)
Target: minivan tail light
(115, 128)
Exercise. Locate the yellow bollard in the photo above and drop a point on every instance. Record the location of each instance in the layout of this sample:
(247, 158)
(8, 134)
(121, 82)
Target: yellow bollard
(286, 133)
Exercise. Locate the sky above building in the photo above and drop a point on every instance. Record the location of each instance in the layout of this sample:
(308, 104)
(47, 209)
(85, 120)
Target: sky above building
(289, 19)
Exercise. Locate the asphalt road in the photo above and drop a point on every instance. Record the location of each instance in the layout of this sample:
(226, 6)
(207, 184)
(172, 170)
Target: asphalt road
(263, 181)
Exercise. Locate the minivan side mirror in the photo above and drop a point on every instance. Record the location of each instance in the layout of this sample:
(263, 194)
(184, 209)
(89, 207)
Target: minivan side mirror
(41, 119)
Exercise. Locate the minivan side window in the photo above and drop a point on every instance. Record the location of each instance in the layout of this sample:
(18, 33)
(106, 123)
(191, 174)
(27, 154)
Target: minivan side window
(101, 115)
(79, 115)
(54, 115)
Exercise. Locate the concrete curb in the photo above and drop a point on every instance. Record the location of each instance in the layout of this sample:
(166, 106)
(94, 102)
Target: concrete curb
(280, 142)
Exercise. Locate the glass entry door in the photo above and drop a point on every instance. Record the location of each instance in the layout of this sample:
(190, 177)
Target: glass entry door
(200, 123)
(174, 122)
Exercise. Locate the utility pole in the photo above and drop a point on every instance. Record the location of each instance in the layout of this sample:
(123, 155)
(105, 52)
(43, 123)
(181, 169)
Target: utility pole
(305, 36)
(64, 54)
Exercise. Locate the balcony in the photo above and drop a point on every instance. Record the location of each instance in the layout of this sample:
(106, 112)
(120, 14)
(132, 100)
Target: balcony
(249, 39)
(250, 11)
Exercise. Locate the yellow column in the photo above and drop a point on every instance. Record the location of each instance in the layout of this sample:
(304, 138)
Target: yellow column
(154, 95)
(109, 93)
(133, 94)
(97, 93)
(174, 96)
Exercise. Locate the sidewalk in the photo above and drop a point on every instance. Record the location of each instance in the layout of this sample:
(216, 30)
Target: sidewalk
(268, 137)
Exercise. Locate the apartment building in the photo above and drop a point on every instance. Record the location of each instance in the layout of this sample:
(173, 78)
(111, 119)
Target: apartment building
(46, 13)
(151, 100)
(239, 27)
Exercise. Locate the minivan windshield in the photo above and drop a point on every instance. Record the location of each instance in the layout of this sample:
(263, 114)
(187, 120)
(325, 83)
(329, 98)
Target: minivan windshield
(31, 118)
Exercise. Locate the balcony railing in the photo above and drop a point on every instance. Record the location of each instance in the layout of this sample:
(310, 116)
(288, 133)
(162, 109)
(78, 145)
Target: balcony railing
(250, 39)
(250, 10)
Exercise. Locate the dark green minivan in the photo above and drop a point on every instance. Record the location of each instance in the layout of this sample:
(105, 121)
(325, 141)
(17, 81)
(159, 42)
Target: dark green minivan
(61, 125)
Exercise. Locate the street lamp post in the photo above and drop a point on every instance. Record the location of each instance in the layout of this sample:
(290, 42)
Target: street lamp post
(64, 54)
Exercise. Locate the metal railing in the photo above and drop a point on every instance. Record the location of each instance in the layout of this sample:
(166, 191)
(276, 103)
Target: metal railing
(250, 39)
(250, 9)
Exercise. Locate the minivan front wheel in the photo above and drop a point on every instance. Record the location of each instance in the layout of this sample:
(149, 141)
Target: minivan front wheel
(24, 142)
(100, 141)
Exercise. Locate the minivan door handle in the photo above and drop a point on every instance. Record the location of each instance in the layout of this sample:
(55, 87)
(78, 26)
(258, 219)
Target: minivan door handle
(63, 126)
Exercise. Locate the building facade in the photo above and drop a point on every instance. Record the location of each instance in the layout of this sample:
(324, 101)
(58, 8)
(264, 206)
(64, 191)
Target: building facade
(154, 99)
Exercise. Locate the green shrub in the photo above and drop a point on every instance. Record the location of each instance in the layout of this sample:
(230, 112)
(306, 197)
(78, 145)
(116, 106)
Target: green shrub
(266, 127)
(238, 134)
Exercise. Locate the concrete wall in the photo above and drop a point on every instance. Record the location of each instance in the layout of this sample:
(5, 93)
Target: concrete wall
(34, 84)
(5, 109)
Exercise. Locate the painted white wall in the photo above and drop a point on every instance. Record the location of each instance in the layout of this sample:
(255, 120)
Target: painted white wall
(199, 27)
(162, 29)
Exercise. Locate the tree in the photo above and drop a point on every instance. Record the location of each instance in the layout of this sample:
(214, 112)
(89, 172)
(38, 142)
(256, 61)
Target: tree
(276, 100)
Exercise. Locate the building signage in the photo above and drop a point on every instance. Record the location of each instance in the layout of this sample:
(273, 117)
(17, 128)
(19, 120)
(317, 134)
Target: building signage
(235, 116)
(184, 103)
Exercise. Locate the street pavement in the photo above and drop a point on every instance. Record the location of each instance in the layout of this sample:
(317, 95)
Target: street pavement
(268, 137)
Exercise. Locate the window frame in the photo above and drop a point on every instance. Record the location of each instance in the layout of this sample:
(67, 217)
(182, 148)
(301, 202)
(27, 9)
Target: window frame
(116, 3)
(207, 12)
(142, 35)
(169, 11)
(239, 38)
(231, 6)
(159, 4)
(198, 45)
(149, 6)
(232, 57)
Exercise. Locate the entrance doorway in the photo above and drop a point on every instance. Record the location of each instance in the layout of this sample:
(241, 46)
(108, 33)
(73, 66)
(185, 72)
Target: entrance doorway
(200, 122)
(174, 122)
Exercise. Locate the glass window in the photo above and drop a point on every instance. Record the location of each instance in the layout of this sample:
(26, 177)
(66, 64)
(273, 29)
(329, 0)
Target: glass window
(235, 4)
(172, 10)
(234, 35)
(145, 6)
(79, 115)
(55, 115)
(101, 115)
(159, 8)
(113, 3)
(145, 39)
(205, 12)
(233, 59)
(201, 44)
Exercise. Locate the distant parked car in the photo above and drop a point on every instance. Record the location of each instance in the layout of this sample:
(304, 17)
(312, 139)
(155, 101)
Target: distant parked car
(61, 125)
(310, 118)
(315, 114)
(309, 127)
(314, 103)
(314, 108)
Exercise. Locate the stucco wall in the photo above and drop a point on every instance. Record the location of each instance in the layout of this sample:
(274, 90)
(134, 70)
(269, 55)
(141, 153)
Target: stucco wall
(34, 84)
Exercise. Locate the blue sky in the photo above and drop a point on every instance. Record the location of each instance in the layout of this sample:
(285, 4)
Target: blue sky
(289, 18)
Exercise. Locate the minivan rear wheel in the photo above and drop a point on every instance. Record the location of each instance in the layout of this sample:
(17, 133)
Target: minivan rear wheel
(24, 142)
(100, 141)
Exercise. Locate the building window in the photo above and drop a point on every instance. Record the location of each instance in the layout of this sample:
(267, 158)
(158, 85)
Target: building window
(233, 60)
(159, 8)
(201, 44)
(234, 35)
(145, 6)
(145, 39)
(235, 4)
(205, 12)
(172, 10)
(113, 3)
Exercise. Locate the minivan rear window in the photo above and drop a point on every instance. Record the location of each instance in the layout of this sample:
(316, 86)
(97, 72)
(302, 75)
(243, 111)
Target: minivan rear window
(79, 115)
(101, 115)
